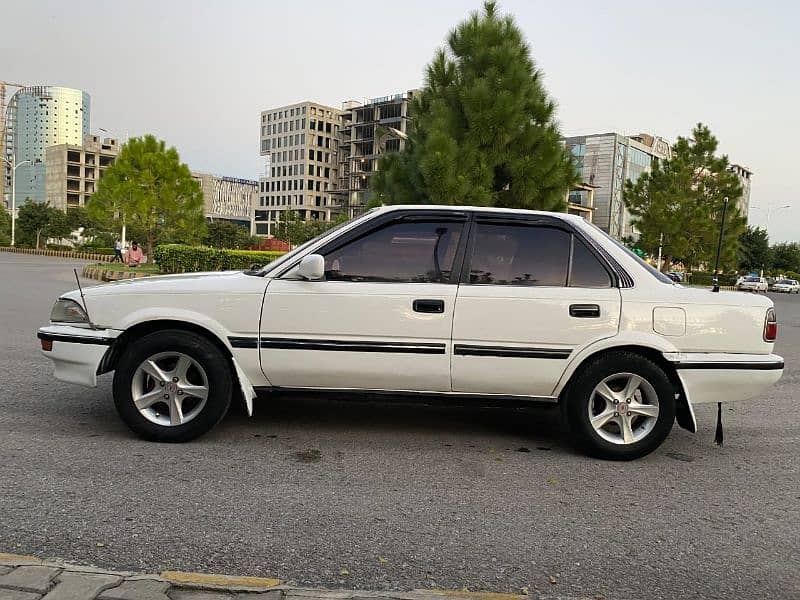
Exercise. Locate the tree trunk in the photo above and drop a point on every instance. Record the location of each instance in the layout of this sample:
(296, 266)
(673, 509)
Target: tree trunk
(149, 247)
(38, 234)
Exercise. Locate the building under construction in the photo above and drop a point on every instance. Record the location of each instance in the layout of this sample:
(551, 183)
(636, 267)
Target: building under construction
(369, 130)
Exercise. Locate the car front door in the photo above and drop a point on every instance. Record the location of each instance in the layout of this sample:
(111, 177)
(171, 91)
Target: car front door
(381, 318)
(532, 293)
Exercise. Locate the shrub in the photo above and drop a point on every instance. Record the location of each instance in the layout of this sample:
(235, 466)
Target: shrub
(705, 278)
(179, 258)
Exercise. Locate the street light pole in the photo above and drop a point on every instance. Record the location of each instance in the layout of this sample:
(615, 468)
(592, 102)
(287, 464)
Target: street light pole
(14, 166)
(719, 244)
(769, 210)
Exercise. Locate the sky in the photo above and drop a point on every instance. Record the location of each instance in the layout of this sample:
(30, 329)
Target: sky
(198, 74)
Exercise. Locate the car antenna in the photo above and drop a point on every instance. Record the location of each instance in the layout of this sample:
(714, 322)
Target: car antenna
(83, 299)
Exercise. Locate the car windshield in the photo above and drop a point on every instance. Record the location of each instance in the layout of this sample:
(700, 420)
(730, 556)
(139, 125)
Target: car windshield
(786, 281)
(755, 279)
(650, 268)
(292, 253)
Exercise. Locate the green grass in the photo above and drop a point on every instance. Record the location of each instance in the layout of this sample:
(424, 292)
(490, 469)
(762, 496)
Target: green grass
(117, 267)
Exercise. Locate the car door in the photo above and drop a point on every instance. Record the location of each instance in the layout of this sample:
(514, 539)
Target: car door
(532, 293)
(381, 318)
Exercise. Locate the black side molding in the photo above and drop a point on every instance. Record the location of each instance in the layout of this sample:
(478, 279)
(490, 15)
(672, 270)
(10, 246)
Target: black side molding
(510, 352)
(746, 366)
(243, 342)
(75, 339)
(338, 345)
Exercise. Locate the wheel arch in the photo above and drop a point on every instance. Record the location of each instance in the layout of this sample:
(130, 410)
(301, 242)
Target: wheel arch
(142, 328)
(110, 360)
(683, 408)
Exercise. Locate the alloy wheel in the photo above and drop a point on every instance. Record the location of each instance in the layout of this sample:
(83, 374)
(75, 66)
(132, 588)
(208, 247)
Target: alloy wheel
(169, 388)
(623, 408)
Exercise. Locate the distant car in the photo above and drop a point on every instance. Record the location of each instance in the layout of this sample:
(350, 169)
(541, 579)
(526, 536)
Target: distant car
(753, 284)
(771, 281)
(787, 286)
(675, 276)
(486, 305)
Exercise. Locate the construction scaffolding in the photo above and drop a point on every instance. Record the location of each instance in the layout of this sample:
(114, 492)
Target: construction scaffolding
(369, 130)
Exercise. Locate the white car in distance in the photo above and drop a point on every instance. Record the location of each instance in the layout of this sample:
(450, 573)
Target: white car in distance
(753, 284)
(787, 286)
(492, 306)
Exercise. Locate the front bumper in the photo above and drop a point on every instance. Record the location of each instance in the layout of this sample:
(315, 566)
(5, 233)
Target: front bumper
(76, 352)
(716, 377)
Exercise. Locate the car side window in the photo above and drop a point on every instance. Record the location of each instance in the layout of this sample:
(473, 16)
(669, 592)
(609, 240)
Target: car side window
(519, 255)
(411, 252)
(533, 255)
(587, 271)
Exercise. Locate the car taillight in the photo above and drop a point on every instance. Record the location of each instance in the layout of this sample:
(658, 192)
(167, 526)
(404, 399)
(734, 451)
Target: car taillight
(770, 326)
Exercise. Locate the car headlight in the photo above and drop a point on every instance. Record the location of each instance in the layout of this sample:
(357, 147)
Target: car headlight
(68, 311)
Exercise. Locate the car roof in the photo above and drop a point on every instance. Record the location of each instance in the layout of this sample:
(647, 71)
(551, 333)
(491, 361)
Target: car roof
(491, 209)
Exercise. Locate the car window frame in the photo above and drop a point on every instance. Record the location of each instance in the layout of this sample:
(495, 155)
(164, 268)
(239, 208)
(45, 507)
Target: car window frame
(391, 218)
(536, 221)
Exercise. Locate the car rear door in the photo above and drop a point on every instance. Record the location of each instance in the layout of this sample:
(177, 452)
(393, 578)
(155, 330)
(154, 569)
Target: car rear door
(532, 293)
(382, 317)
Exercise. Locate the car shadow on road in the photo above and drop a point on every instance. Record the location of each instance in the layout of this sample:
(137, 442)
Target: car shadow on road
(319, 415)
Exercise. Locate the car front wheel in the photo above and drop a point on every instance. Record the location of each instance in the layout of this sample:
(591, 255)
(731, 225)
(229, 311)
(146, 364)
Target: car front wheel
(621, 406)
(172, 386)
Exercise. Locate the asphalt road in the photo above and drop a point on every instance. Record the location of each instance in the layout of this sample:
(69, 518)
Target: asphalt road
(377, 496)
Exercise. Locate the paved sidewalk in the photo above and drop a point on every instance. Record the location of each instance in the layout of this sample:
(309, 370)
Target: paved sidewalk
(30, 578)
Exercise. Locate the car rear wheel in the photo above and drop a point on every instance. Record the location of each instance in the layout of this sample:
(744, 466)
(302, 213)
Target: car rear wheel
(172, 386)
(621, 406)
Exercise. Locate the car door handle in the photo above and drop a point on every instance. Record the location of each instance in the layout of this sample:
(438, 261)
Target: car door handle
(584, 311)
(428, 306)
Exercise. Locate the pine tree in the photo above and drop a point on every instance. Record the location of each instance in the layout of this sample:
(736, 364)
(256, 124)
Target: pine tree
(682, 199)
(483, 129)
(153, 191)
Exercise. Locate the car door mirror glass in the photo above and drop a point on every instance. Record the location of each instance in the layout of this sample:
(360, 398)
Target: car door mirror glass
(312, 267)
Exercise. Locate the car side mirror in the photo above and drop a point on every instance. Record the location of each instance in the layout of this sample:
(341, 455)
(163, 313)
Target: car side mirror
(312, 267)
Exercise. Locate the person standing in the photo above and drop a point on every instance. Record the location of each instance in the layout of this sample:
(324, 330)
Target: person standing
(117, 251)
(134, 255)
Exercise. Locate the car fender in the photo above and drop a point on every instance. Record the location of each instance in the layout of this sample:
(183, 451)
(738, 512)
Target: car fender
(155, 313)
(627, 339)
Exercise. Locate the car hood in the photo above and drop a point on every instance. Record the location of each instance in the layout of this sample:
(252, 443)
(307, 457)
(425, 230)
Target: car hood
(185, 283)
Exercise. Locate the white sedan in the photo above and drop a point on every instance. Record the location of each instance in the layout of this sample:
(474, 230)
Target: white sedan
(485, 305)
(787, 286)
(753, 284)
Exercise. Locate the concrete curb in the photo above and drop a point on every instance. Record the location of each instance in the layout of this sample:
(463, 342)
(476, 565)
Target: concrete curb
(102, 273)
(32, 578)
(59, 253)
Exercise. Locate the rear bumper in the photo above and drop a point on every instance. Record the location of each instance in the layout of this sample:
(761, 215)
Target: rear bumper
(76, 352)
(710, 378)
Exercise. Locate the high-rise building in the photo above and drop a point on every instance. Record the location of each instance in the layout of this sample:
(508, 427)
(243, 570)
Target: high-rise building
(301, 145)
(229, 199)
(605, 161)
(745, 176)
(369, 130)
(39, 117)
(72, 170)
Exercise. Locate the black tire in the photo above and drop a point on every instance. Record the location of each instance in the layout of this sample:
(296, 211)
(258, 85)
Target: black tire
(580, 392)
(206, 354)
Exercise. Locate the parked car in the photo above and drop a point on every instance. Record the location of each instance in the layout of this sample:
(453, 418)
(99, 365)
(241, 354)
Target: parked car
(675, 276)
(753, 284)
(788, 286)
(478, 304)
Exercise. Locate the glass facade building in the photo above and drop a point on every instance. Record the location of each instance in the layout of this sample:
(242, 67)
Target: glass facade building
(39, 117)
(605, 161)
